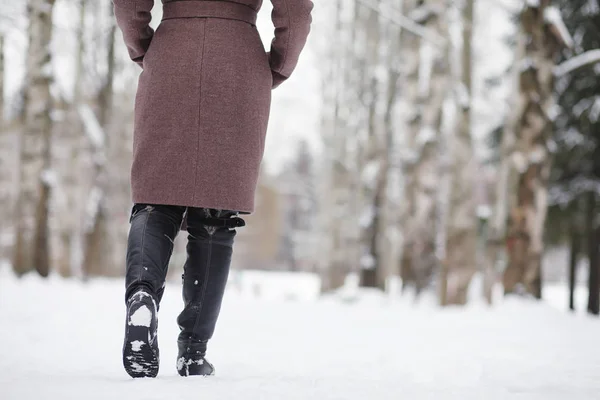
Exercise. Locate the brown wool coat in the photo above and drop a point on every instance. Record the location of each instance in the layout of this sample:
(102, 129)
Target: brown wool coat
(204, 95)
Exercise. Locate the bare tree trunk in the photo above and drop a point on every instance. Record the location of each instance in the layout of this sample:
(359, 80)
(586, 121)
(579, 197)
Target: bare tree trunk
(70, 155)
(496, 239)
(2, 72)
(410, 97)
(79, 67)
(105, 98)
(462, 228)
(386, 200)
(335, 271)
(487, 254)
(574, 256)
(593, 232)
(433, 89)
(98, 241)
(32, 245)
(346, 146)
(373, 168)
(7, 165)
(531, 158)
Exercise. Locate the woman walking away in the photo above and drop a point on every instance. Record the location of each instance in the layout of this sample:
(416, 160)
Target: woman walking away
(201, 114)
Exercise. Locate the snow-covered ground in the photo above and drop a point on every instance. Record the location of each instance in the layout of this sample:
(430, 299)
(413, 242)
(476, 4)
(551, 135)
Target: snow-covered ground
(61, 339)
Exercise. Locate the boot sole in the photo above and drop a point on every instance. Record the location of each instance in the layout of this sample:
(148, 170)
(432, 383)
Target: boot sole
(139, 358)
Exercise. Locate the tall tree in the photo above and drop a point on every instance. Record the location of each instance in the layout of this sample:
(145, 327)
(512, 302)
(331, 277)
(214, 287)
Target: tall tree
(410, 45)
(2, 71)
(575, 250)
(432, 91)
(68, 160)
(387, 196)
(98, 240)
(593, 233)
(32, 242)
(372, 168)
(334, 128)
(541, 36)
(462, 223)
(300, 209)
(5, 149)
(576, 170)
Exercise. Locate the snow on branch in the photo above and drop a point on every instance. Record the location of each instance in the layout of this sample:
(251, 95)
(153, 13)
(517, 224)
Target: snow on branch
(574, 63)
(44, 7)
(370, 172)
(91, 208)
(511, 8)
(463, 98)
(554, 19)
(91, 126)
(422, 14)
(394, 15)
(594, 114)
(426, 61)
(426, 135)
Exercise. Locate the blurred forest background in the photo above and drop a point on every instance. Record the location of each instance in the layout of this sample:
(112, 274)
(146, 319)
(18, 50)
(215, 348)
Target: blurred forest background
(427, 140)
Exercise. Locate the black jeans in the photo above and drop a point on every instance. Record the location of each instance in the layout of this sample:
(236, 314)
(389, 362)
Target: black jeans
(209, 249)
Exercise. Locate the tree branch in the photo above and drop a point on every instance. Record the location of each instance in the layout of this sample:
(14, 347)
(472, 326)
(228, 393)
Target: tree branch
(578, 62)
(394, 15)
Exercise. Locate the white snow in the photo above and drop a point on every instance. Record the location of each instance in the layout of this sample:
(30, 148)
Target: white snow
(136, 345)
(367, 261)
(426, 63)
(137, 367)
(393, 14)
(463, 99)
(590, 57)
(49, 177)
(520, 161)
(93, 129)
(92, 208)
(180, 363)
(595, 110)
(484, 211)
(537, 154)
(376, 347)
(426, 135)
(553, 17)
(370, 172)
(366, 217)
(141, 317)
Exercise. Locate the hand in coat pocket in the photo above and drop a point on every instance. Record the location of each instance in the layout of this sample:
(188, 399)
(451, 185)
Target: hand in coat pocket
(133, 18)
(292, 20)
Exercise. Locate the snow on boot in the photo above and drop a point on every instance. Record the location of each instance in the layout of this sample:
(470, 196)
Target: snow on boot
(191, 359)
(140, 349)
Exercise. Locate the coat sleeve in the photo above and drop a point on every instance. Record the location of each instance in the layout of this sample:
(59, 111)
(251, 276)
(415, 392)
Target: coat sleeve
(292, 19)
(133, 18)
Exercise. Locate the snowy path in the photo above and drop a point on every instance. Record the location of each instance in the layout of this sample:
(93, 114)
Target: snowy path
(63, 341)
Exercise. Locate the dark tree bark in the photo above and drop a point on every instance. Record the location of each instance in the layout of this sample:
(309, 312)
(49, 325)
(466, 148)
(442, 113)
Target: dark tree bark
(539, 44)
(32, 250)
(575, 250)
(98, 242)
(594, 275)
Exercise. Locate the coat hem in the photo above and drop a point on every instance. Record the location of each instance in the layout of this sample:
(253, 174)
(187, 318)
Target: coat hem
(194, 204)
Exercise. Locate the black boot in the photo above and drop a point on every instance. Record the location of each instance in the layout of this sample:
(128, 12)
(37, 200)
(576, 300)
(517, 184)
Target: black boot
(140, 348)
(209, 250)
(149, 248)
(192, 358)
